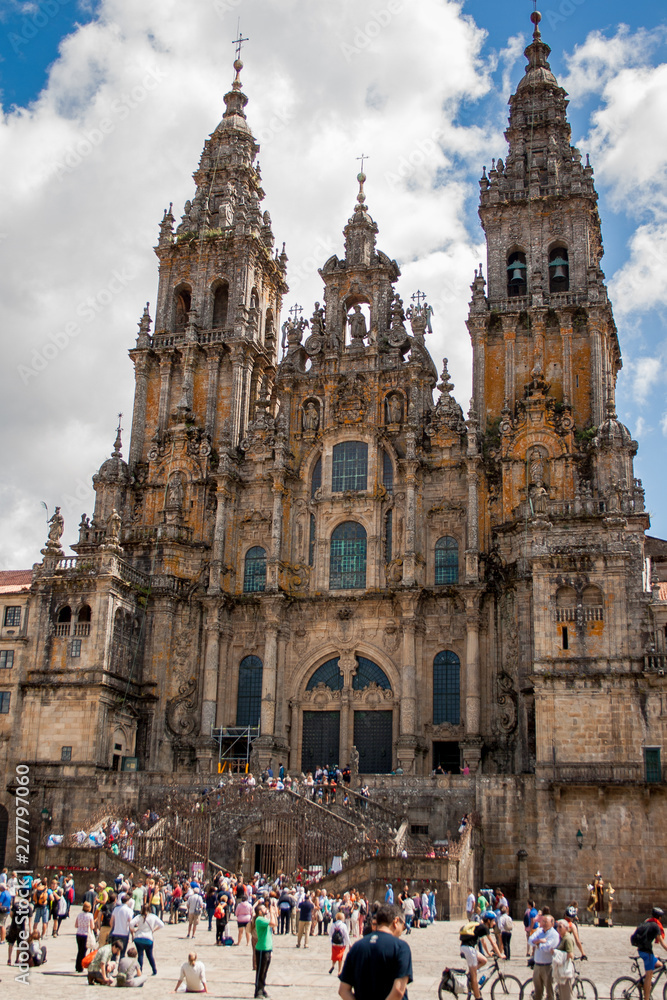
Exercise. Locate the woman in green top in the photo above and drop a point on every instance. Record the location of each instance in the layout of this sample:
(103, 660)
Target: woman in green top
(264, 924)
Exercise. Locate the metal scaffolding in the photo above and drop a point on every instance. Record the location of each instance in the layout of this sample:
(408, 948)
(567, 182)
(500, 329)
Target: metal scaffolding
(234, 747)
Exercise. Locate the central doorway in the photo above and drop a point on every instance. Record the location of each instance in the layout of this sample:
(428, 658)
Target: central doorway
(321, 740)
(373, 740)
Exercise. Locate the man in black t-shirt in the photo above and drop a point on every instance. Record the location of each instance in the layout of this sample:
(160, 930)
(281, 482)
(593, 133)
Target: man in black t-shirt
(379, 966)
(306, 907)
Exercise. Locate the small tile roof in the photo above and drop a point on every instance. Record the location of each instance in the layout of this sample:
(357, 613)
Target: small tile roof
(13, 581)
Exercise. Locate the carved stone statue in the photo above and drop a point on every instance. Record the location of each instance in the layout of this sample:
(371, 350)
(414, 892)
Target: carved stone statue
(317, 320)
(57, 527)
(358, 330)
(394, 409)
(113, 528)
(311, 418)
(536, 467)
(175, 492)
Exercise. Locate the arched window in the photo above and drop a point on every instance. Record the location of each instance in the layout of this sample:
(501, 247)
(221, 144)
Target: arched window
(254, 574)
(592, 596)
(387, 472)
(65, 614)
(349, 469)
(249, 698)
(220, 305)
(347, 564)
(316, 481)
(446, 688)
(446, 560)
(329, 674)
(517, 274)
(84, 614)
(369, 673)
(566, 597)
(559, 270)
(182, 306)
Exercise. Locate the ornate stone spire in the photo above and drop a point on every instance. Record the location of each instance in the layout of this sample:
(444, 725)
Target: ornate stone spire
(118, 444)
(360, 231)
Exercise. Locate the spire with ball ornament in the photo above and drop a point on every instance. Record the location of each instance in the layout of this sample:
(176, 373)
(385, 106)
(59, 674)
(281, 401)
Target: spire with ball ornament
(360, 231)
(236, 100)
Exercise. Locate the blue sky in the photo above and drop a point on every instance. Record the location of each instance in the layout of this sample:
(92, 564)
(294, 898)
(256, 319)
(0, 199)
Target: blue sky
(422, 85)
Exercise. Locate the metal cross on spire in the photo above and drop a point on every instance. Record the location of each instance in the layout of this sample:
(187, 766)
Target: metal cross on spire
(238, 42)
(364, 156)
(418, 297)
(295, 313)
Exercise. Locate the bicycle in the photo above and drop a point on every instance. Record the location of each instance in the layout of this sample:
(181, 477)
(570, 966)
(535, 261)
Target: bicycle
(582, 988)
(627, 988)
(502, 984)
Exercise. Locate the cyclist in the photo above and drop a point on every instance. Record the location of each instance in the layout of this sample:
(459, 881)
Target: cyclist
(473, 935)
(645, 936)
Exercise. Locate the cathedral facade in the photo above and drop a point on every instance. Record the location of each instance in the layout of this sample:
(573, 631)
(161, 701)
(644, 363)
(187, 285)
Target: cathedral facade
(312, 547)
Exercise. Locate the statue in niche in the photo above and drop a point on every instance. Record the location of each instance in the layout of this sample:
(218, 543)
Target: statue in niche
(394, 409)
(536, 468)
(311, 417)
(357, 321)
(175, 492)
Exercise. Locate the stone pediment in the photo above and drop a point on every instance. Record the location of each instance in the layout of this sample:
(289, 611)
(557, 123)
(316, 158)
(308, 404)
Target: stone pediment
(322, 696)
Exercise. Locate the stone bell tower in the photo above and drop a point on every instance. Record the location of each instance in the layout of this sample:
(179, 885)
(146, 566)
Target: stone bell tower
(214, 344)
(545, 346)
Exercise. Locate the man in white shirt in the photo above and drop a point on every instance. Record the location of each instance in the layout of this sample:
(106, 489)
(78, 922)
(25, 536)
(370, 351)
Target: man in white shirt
(545, 939)
(470, 904)
(121, 916)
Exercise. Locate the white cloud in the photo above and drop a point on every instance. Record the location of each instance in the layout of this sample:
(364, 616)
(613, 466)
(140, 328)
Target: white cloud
(646, 372)
(87, 169)
(596, 62)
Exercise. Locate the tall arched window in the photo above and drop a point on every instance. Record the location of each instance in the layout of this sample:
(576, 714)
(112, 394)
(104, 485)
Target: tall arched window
(387, 472)
(65, 614)
(329, 674)
(182, 306)
(349, 470)
(559, 270)
(517, 274)
(220, 305)
(249, 698)
(446, 688)
(84, 614)
(446, 560)
(316, 481)
(347, 564)
(254, 574)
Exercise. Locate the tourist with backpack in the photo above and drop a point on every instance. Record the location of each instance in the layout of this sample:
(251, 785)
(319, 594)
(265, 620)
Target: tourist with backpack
(643, 938)
(40, 898)
(340, 940)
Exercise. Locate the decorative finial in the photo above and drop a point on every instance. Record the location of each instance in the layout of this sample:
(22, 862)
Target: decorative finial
(238, 65)
(118, 443)
(536, 17)
(361, 177)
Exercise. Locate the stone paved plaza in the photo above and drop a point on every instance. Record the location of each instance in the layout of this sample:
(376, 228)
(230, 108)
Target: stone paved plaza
(292, 972)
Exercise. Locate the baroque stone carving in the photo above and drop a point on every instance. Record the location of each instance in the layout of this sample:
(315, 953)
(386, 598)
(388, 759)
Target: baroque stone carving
(181, 710)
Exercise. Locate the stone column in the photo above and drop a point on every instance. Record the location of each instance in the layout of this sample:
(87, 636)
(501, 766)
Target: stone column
(410, 522)
(268, 716)
(218, 540)
(566, 335)
(407, 740)
(222, 696)
(165, 382)
(347, 663)
(238, 372)
(141, 364)
(278, 491)
(473, 684)
(212, 391)
(509, 335)
(522, 883)
(211, 670)
(477, 328)
(598, 400)
(473, 460)
(539, 332)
